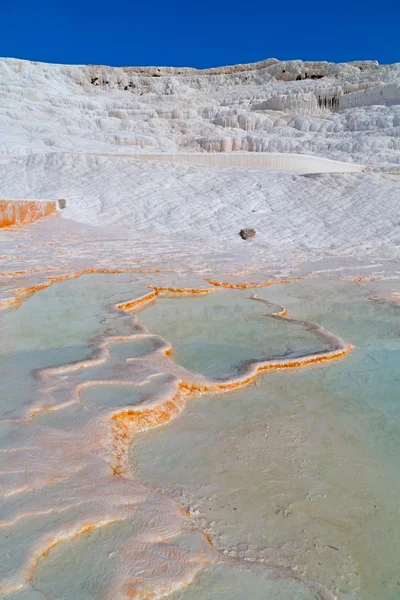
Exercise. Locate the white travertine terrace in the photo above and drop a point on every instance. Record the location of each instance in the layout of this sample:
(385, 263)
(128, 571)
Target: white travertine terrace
(137, 153)
(347, 111)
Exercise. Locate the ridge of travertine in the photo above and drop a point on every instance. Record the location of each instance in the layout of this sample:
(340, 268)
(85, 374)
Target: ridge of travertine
(345, 111)
(87, 483)
(223, 69)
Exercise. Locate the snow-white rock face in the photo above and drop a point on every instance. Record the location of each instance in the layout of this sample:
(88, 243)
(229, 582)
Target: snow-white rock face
(88, 134)
(349, 112)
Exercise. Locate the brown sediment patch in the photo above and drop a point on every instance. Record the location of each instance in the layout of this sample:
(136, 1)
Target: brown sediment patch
(132, 590)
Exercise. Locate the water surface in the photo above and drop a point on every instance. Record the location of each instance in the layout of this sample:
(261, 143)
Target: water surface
(301, 468)
(297, 470)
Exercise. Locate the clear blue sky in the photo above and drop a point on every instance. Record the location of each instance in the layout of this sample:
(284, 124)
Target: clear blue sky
(199, 33)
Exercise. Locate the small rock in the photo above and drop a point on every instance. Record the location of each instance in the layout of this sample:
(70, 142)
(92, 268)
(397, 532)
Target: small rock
(62, 204)
(246, 234)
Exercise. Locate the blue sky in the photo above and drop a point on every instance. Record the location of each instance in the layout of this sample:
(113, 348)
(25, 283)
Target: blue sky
(199, 34)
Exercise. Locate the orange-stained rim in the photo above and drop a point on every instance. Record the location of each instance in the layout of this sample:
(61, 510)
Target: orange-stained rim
(16, 213)
(247, 285)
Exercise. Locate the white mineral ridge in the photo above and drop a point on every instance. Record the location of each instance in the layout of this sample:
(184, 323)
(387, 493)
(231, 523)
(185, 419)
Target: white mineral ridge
(182, 151)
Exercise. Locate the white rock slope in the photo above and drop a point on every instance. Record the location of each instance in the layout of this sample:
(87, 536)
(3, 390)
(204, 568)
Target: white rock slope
(87, 134)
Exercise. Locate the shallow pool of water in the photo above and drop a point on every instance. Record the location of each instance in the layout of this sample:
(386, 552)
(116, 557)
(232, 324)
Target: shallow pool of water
(216, 335)
(293, 478)
(301, 468)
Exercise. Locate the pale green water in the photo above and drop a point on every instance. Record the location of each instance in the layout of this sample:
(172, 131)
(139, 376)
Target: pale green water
(299, 470)
(54, 327)
(230, 583)
(51, 328)
(216, 334)
(302, 469)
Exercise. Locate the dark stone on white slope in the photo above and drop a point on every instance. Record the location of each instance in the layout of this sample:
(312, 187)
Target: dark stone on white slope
(246, 234)
(62, 203)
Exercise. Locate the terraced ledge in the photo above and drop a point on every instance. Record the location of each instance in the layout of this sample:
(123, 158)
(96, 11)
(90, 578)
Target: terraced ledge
(249, 284)
(276, 161)
(99, 445)
(18, 294)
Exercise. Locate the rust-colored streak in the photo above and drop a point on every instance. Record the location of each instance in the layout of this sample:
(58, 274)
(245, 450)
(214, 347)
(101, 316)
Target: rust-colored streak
(249, 284)
(31, 290)
(17, 273)
(21, 212)
(77, 274)
(308, 360)
(131, 304)
(9, 302)
(359, 279)
(214, 388)
(170, 291)
(127, 422)
(207, 537)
